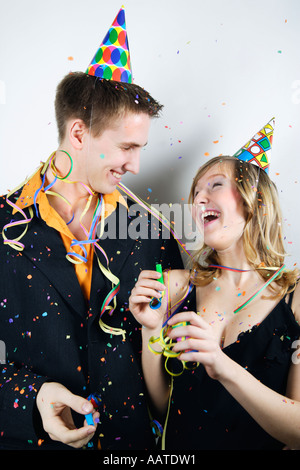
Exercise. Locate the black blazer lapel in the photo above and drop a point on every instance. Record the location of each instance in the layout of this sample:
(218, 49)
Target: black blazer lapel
(115, 249)
(115, 241)
(45, 249)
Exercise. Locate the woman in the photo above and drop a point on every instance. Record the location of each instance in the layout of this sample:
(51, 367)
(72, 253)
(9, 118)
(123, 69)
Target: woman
(232, 321)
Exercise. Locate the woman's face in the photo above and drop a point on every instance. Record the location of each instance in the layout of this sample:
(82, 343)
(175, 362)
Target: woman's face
(218, 208)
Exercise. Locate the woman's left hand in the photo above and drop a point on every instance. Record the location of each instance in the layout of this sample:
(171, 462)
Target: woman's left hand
(198, 343)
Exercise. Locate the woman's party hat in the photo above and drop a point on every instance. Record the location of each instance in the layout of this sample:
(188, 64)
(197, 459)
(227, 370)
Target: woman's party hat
(258, 149)
(112, 60)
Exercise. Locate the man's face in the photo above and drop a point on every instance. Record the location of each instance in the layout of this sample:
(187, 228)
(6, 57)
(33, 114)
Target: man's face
(115, 151)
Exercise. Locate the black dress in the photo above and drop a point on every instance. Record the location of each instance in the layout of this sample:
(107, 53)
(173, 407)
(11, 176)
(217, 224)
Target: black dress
(204, 416)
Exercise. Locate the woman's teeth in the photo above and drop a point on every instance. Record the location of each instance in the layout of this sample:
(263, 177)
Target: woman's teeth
(210, 215)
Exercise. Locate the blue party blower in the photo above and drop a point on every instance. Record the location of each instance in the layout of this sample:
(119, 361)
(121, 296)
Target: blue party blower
(95, 400)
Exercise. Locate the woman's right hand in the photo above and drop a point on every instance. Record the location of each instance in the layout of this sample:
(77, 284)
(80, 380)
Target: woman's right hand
(147, 287)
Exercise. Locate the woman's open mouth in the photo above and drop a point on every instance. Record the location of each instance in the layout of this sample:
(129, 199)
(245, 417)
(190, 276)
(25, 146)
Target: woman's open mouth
(209, 216)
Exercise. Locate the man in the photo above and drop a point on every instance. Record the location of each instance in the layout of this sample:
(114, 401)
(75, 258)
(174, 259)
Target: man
(64, 287)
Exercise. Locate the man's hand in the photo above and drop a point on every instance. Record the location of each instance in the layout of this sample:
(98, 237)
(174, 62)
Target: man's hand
(54, 403)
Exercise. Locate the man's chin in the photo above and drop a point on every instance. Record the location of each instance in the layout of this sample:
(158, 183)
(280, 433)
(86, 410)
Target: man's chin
(106, 189)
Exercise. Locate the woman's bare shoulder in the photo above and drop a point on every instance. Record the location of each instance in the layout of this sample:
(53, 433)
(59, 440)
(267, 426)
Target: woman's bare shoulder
(177, 282)
(179, 278)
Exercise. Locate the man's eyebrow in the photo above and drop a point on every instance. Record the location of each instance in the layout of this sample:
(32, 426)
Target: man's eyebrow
(132, 144)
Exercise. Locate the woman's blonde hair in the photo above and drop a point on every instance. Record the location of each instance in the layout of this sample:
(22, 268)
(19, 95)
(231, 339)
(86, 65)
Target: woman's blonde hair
(262, 236)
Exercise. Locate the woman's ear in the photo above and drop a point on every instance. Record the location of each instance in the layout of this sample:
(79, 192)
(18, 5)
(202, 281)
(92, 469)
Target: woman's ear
(77, 131)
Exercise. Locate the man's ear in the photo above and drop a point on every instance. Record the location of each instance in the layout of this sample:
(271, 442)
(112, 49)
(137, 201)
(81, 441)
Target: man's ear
(77, 131)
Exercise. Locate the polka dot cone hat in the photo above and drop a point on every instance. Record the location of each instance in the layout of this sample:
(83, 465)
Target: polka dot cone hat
(258, 149)
(112, 60)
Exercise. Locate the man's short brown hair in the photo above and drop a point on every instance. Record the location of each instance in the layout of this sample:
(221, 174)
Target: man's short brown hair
(98, 102)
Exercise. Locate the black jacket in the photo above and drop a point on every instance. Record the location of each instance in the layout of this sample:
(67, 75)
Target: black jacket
(52, 334)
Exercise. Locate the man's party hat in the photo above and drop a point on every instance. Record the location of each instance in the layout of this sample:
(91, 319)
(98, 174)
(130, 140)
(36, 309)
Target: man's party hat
(112, 60)
(258, 149)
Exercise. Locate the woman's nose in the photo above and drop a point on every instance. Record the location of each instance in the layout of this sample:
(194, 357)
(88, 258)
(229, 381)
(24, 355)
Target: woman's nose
(201, 198)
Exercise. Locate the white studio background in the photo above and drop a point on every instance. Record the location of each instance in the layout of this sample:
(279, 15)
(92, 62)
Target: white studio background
(222, 69)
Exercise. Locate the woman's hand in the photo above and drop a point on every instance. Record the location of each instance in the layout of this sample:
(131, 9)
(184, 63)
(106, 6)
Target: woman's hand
(144, 290)
(197, 343)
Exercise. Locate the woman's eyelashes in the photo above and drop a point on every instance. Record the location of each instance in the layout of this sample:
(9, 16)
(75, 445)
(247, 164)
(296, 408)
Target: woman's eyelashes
(210, 186)
(217, 183)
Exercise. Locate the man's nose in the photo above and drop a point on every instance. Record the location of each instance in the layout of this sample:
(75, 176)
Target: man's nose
(133, 163)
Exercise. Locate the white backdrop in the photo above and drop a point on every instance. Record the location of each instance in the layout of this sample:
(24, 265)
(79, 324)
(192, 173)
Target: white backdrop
(222, 69)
